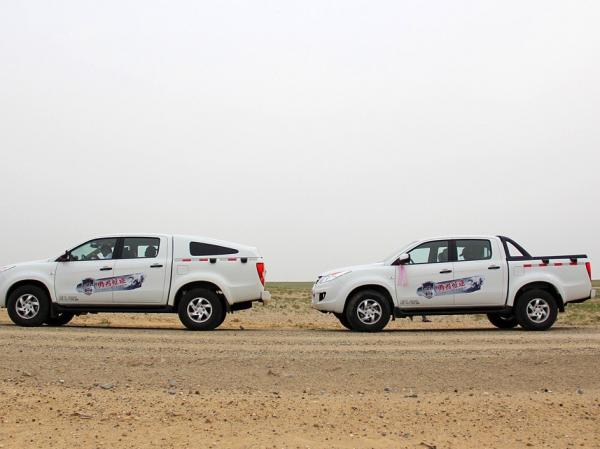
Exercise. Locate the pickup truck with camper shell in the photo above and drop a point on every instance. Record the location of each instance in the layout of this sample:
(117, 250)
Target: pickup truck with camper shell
(491, 275)
(200, 279)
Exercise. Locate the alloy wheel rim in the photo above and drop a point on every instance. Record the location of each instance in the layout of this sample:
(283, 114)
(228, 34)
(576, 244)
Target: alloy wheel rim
(369, 311)
(538, 310)
(27, 306)
(199, 310)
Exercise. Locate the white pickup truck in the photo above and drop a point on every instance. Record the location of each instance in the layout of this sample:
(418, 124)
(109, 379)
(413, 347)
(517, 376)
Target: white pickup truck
(199, 278)
(490, 275)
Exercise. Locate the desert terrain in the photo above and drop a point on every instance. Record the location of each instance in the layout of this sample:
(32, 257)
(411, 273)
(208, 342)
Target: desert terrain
(286, 376)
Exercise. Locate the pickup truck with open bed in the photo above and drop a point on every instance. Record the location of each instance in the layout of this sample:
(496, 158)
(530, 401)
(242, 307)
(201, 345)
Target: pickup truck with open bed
(491, 275)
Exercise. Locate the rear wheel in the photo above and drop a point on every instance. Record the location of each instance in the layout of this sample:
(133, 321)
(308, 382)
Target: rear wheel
(28, 306)
(536, 310)
(343, 321)
(60, 319)
(368, 311)
(201, 310)
(502, 321)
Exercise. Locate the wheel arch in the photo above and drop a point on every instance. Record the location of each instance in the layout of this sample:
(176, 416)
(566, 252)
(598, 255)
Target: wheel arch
(545, 286)
(201, 284)
(378, 288)
(25, 282)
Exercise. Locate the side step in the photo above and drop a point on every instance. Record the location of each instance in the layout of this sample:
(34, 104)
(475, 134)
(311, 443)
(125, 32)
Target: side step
(460, 310)
(91, 308)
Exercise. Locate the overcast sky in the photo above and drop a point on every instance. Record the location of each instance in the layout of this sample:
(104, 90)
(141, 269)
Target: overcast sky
(325, 133)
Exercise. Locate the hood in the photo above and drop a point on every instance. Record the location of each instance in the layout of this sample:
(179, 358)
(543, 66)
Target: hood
(353, 268)
(27, 264)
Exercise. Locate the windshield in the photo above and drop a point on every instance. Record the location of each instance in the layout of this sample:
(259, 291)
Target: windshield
(400, 251)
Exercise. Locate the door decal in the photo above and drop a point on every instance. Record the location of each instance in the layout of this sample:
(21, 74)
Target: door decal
(125, 282)
(464, 285)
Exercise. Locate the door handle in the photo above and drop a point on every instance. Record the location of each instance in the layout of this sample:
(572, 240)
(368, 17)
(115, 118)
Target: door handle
(445, 271)
(105, 268)
(493, 267)
(156, 265)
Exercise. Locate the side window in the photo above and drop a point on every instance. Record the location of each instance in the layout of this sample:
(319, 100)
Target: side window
(430, 252)
(140, 247)
(99, 249)
(206, 249)
(473, 250)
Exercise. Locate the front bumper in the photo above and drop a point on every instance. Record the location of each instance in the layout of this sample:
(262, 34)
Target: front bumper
(328, 297)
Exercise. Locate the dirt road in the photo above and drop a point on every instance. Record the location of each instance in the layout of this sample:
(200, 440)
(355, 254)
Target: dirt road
(447, 384)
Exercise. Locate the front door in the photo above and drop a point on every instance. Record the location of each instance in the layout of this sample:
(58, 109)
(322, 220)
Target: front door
(425, 280)
(141, 270)
(480, 272)
(87, 278)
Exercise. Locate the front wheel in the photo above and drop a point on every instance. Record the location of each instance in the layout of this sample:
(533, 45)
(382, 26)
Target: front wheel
(502, 321)
(28, 306)
(536, 310)
(343, 321)
(368, 311)
(201, 310)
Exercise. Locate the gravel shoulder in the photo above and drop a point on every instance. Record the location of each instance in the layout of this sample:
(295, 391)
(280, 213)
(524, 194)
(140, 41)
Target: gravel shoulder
(286, 376)
(144, 381)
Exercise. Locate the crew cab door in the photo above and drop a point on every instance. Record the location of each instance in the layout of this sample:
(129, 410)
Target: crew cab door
(141, 270)
(421, 283)
(479, 273)
(86, 277)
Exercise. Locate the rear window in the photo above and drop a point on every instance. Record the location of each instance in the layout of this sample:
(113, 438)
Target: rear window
(206, 249)
(140, 247)
(473, 250)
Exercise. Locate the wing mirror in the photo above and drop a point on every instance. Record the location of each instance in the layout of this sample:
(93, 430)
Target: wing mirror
(404, 258)
(66, 257)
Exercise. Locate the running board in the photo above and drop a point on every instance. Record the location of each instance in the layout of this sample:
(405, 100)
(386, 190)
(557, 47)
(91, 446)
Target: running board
(91, 308)
(459, 310)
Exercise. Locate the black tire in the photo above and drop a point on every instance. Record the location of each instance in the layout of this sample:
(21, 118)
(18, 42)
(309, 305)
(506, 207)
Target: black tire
(223, 316)
(368, 300)
(208, 317)
(532, 302)
(503, 321)
(60, 319)
(28, 306)
(343, 321)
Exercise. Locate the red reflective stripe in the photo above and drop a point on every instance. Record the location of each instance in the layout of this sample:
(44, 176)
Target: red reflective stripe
(202, 260)
(232, 259)
(186, 260)
(527, 265)
(543, 265)
(573, 263)
(558, 264)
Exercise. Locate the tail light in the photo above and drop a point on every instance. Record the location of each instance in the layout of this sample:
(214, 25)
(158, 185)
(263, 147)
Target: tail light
(588, 267)
(260, 269)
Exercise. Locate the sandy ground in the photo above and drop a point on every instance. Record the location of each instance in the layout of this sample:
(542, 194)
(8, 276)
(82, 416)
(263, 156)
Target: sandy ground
(286, 376)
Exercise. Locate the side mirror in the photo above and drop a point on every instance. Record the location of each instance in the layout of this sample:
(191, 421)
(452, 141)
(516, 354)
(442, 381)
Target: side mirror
(404, 258)
(66, 257)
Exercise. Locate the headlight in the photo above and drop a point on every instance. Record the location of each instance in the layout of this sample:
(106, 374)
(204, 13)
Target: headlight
(331, 277)
(7, 267)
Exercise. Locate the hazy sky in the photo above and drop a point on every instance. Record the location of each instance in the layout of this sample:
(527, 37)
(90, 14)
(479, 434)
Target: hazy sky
(325, 133)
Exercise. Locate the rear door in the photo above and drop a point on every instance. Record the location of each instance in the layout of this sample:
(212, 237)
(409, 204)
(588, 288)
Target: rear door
(141, 270)
(424, 281)
(479, 273)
